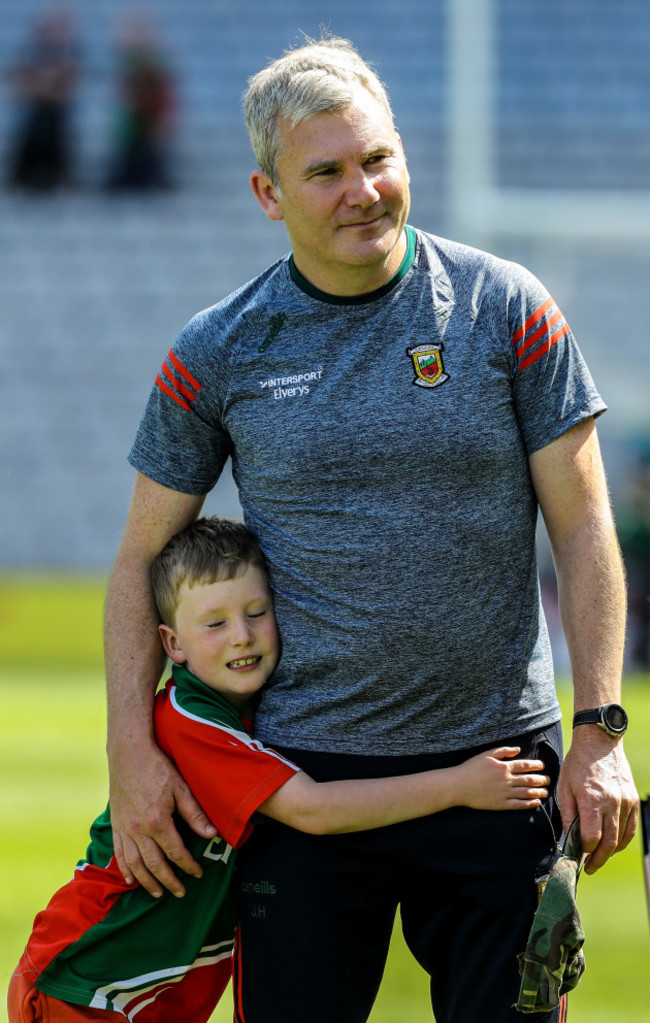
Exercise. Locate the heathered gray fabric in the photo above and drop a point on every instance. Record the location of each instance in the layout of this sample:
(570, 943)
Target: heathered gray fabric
(398, 519)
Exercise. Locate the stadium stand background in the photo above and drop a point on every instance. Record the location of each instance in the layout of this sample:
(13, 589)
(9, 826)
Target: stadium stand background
(94, 288)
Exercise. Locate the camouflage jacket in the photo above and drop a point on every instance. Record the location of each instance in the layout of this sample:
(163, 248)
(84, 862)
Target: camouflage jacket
(554, 961)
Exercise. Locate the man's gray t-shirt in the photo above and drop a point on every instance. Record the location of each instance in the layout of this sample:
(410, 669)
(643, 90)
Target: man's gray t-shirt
(380, 446)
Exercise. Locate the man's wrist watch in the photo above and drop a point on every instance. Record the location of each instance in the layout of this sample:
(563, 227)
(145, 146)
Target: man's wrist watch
(610, 717)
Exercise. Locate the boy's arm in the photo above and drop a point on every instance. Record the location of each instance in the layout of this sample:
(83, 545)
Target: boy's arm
(145, 788)
(490, 781)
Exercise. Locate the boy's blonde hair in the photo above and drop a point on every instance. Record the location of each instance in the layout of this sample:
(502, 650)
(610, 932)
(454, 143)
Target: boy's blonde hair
(209, 550)
(316, 78)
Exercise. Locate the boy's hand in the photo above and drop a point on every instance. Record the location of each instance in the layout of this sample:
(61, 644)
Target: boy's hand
(494, 781)
(144, 834)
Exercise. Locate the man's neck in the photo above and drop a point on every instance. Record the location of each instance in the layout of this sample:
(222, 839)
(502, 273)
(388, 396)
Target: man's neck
(348, 280)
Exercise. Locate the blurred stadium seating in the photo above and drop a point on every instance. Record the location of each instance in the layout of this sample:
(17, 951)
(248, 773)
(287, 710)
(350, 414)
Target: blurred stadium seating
(94, 288)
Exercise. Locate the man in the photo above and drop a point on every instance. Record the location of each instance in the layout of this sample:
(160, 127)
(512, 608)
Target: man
(396, 406)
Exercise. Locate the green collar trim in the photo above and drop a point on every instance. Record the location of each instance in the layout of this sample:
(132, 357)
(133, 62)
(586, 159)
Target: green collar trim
(368, 296)
(189, 682)
(195, 693)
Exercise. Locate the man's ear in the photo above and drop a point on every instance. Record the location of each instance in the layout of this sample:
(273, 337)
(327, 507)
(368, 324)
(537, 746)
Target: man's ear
(171, 645)
(408, 176)
(266, 194)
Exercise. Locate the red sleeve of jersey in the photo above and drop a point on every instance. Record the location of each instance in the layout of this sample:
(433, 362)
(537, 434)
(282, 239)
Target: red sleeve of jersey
(228, 771)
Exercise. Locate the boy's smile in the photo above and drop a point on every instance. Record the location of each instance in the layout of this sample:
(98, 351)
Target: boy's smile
(248, 663)
(225, 633)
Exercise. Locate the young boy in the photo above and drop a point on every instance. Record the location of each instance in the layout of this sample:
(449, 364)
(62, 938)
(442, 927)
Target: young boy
(103, 948)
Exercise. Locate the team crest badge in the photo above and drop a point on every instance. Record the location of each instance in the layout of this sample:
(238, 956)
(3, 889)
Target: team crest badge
(427, 363)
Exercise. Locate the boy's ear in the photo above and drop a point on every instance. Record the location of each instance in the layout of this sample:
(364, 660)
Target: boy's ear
(171, 645)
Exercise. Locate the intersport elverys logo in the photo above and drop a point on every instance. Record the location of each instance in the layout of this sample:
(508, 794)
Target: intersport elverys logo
(295, 386)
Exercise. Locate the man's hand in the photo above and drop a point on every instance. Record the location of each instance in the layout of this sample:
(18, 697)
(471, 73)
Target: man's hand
(145, 788)
(144, 834)
(595, 780)
(596, 783)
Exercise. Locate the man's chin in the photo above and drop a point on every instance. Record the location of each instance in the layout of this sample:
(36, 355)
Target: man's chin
(374, 249)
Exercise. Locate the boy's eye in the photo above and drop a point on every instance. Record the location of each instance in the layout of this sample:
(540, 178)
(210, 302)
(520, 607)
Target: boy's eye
(258, 614)
(215, 625)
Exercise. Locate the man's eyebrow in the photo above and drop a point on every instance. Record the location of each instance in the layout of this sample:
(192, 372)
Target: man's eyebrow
(321, 165)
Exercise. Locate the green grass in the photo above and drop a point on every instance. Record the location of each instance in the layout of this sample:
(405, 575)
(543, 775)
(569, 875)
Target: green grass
(54, 783)
(48, 619)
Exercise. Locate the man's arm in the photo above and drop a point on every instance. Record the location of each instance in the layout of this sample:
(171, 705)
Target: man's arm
(144, 786)
(595, 780)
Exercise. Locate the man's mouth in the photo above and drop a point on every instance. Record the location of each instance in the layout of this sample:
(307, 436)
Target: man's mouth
(244, 662)
(365, 223)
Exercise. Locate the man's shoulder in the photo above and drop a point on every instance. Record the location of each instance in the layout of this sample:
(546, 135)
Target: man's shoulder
(246, 300)
(466, 256)
(214, 334)
(474, 269)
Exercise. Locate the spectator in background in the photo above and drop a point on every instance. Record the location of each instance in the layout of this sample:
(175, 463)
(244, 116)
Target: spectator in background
(44, 80)
(145, 115)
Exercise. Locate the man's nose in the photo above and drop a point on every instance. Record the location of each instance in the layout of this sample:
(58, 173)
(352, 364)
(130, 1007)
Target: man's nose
(361, 190)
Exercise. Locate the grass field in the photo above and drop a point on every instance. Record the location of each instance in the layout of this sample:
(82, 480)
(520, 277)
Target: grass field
(54, 784)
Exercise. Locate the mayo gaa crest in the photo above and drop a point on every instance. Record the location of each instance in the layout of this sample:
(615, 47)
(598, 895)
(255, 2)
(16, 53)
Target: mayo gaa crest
(427, 363)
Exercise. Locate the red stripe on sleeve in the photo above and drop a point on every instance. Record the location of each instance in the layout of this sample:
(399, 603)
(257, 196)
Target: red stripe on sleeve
(536, 316)
(237, 982)
(171, 394)
(176, 384)
(183, 372)
(535, 336)
(543, 349)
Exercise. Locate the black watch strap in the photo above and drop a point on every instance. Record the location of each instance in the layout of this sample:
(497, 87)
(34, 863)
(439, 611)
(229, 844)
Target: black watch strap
(610, 717)
(587, 717)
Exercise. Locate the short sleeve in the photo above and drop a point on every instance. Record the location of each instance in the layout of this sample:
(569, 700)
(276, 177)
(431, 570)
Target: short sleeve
(180, 441)
(230, 773)
(552, 386)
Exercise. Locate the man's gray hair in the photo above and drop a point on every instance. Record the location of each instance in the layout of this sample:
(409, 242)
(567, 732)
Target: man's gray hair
(316, 78)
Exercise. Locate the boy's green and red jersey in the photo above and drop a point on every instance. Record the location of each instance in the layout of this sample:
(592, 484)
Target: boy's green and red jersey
(109, 945)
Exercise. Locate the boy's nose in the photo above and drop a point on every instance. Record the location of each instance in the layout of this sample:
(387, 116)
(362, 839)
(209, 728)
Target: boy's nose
(242, 634)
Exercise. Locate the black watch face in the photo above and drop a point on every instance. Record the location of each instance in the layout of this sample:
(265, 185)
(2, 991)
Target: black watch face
(616, 718)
